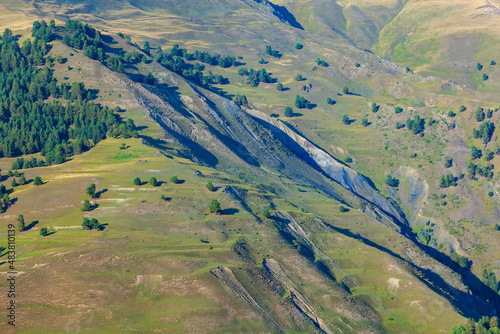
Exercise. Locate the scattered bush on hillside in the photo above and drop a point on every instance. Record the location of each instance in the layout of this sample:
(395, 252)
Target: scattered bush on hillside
(488, 154)
(20, 223)
(345, 90)
(451, 114)
(271, 52)
(476, 153)
(37, 181)
(398, 110)
(485, 77)
(462, 108)
(266, 213)
(480, 114)
(146, 48)
(174, 179)
(86, 205)
(417, 125)
(240, 100)
(497, 227)
(357, 65)
(254, 77)
(301, 102)
(288, 112)
(448, 162)
(343, 209)
(298, 46)
(391, 181)
(321, 62)
(91, 224)
(447, 180)
(330, 101)
(44, 231)
(298, 77)
(214, 207)
(91, 190)
(485, 132)
(375, 107)
(489, 113)
(279, 86)
(153, 181)
(479, 67)
(210, 186)
(345, 119)
(14, 182)
(365, 122)
(22, 180)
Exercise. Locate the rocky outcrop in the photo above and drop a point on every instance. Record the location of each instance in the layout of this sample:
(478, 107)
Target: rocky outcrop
(338, 172)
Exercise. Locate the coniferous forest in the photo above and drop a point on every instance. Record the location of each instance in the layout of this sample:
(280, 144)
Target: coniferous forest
(38, 114)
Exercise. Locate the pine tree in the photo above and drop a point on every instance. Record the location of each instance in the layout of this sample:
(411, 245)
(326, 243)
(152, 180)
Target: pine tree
(22, 180)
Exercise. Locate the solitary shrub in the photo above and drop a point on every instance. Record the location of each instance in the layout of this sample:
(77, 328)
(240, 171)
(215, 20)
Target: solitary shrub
(374, 107)
(497, 227)
(22, 180)
(174, 179)
(462, 108)
(137, 181)
(288, 112)
(345, 119)
(485, 77)
(357, 65)
(479, 67)
(266, 213)
(44, 231)
(279, 86)
(298, 77)
(153, 181)
(451, 114)
(330, 101)
(14, 182)
(298, 46)
(365, 122)
(345, 90)
(398, 110)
